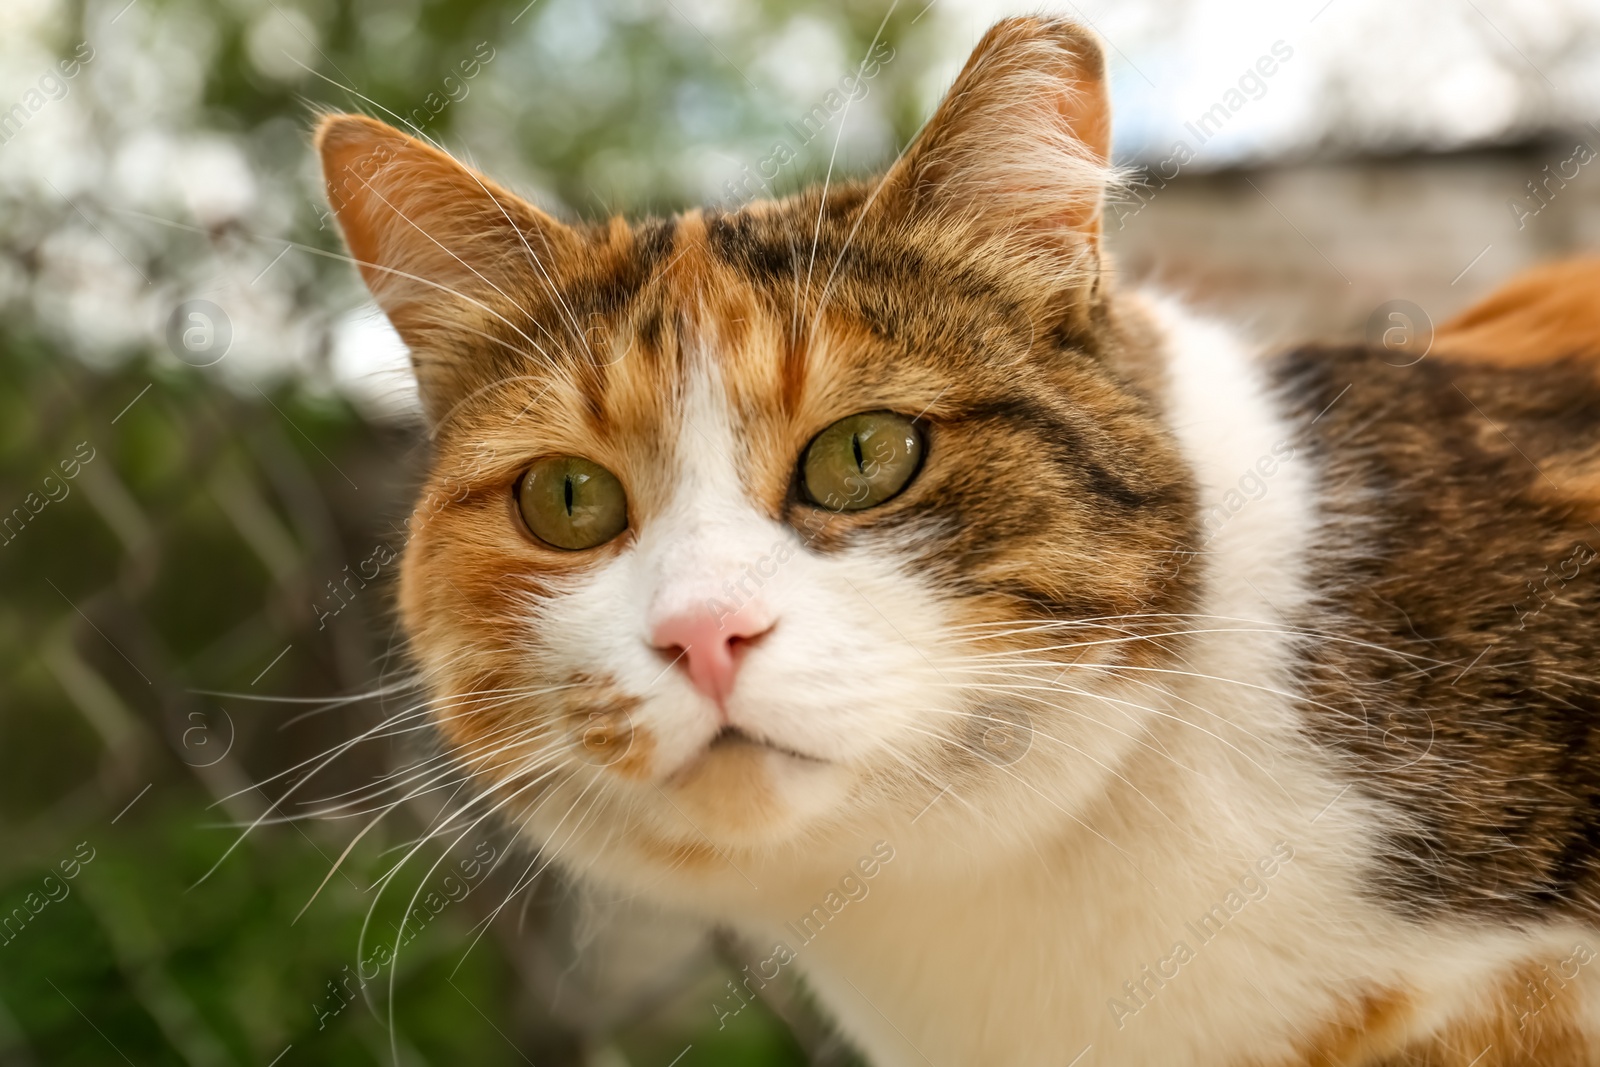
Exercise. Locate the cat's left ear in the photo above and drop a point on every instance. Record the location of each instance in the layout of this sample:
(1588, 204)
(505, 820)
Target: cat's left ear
(1016, 158)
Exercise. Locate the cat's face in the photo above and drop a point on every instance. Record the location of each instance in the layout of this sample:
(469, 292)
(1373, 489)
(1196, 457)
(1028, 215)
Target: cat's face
(746, 524)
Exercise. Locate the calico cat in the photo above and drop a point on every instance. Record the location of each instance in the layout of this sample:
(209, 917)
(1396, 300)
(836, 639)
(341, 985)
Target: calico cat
(1029, 664)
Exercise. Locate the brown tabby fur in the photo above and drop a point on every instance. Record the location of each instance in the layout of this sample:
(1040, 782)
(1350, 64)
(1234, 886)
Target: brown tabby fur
(1454, 494)
(1481, 708)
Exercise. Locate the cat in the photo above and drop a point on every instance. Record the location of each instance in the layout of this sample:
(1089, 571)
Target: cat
(1029, 664)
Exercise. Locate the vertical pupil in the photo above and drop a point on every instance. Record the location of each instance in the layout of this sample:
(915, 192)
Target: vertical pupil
(855, 446)
(567, 487)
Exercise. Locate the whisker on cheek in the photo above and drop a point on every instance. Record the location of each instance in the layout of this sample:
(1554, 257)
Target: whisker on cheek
(1027, 691)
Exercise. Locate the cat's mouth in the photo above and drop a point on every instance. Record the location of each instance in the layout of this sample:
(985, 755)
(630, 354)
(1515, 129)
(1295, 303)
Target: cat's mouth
(733, 737)
(744, 790)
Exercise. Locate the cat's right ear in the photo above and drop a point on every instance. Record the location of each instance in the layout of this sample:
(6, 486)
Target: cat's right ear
(442, 248)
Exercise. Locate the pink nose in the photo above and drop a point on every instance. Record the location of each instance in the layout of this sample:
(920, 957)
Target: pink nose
(709, 642)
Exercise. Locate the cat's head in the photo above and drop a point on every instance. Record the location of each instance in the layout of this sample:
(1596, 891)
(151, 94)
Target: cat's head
(746, 524)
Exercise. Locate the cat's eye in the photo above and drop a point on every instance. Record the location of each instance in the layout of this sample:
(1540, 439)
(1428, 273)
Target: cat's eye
(861, 461)
(572, 503)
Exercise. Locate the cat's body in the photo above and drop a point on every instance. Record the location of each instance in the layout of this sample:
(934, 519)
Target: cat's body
(1364, 889)
(1171, 706)
(1423, 807)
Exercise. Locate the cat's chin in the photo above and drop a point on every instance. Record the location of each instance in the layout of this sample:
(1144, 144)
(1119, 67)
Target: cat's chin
(733, 739)
(743, 791)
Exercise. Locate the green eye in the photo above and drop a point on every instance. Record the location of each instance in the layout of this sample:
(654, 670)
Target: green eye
(572, 503)
(861, 461)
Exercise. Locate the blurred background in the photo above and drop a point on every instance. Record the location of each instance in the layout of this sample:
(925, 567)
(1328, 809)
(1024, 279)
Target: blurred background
(208, 443)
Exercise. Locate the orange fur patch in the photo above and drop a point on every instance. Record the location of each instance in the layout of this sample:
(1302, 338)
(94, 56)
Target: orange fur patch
(1360, 1034)
(1529, 1020)
(1549, 313)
